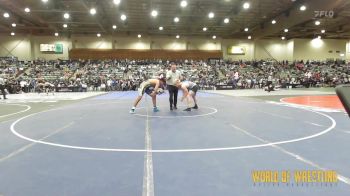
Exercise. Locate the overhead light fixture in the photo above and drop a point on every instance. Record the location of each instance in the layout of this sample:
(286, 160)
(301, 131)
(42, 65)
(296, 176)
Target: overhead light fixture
(44, 1)
(27, 9)
(154, 13)
(205, 28)
(65, 25)
(92, 11)
(161, 28)
(302, 8)
(56, 34)
(123, 17)
(273, 21)
(114, 26)
(13, 25)
(183, 3)
(214, 36)
(139, 36)
(66, 15)
(116, 2)
(226, 20)
(323, 31)
(246, 5)
(341, 54)
(176, 19)
(286, 30)
(211, 15)
(13, 33)
(283, 38)
(177, 36)
(317, 22)
(98, 35)
(6, 15)
(249, 37)
(246, 29)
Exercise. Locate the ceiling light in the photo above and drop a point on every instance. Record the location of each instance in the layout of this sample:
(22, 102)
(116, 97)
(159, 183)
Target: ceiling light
(161, 28)
(45, 1)
(286, 30)
(14, 25)
(92, 11)
(56, 34)
(154, 13)
(183, 3)
(177, 36)
(65, 25)
(117, 2)
(323, 31)
(246, 5)
(123, 17)
(249, 37)
(114, 26)
(98, 35)
(283, 38)
(302, 8)
(6, 15)
(176, 19)
(273, 21)
(317, 22)
(139, 35)
(27, 9)
(214, 36)
(66, 15)
(12, 34)
(205, 28)
(246, 29)
(211, 15)
(226, 20)
(342, 54)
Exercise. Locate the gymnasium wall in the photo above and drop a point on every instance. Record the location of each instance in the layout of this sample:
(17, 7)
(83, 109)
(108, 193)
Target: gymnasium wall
(347, 50)
(318, 49)
(15, 46)
(274, 49)
(27, 47)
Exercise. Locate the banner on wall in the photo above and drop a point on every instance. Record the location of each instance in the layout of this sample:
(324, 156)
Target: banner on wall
(236, 50)
(52, 48)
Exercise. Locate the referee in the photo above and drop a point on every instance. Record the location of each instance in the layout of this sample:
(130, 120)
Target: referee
(2, 86)
(171, 76)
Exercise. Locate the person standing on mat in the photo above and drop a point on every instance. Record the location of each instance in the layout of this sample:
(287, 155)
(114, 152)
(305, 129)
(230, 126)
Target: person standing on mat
(2, 86)
(151, 87)
(171, 76)
(189, 91)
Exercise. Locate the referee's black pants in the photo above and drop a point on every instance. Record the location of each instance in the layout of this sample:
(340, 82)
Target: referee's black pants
(2, 88)
(173, 91)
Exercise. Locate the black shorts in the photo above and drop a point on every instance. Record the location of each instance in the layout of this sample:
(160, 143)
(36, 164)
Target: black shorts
(194, 89)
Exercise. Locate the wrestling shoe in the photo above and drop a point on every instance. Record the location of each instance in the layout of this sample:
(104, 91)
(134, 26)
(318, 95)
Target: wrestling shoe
(195, 107)
(171, 108)
(155, 109)
(132, 111)
(175, 107)
(187, 109)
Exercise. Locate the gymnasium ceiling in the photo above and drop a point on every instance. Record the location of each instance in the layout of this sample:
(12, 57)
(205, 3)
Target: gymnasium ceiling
(47, 18)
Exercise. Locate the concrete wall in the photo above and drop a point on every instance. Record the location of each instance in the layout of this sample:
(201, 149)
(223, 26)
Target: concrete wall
(16, 46)
(27, 47)
(318, 49)
(274, 49)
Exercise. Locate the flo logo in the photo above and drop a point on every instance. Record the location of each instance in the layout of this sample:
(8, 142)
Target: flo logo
(327, 14)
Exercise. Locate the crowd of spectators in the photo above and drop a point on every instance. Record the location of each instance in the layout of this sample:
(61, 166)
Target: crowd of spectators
(123, 75)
